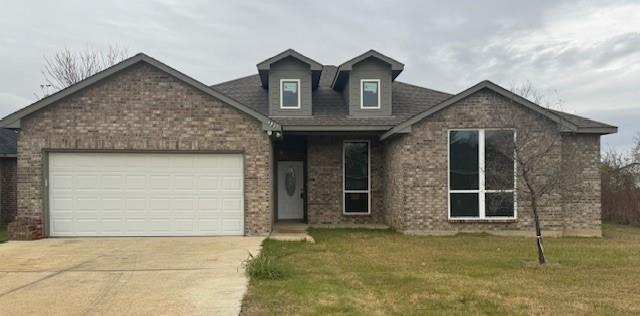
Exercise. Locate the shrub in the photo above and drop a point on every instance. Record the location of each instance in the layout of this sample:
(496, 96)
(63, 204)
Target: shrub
(264, 267)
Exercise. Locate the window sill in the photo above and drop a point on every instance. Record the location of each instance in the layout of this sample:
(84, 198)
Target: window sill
(484, 220)
(356, 214)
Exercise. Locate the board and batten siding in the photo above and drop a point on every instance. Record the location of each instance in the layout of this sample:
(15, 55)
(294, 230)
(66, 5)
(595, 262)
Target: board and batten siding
(290, 68)
(370, 68)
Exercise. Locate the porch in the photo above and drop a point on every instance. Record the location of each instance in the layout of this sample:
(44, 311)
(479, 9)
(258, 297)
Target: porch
(328, 179)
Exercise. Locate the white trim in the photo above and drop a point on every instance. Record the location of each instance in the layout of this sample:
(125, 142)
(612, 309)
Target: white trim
(282, 107)
(362, 81)
(481, 179)
(344, 183)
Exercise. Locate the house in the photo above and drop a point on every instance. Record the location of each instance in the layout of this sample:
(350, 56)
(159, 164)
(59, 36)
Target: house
(633, 170)
(8, 176)
(141, 149)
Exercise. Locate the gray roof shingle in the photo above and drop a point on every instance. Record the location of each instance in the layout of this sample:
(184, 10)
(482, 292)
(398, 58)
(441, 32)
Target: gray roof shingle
(581, 121)
(329, 108)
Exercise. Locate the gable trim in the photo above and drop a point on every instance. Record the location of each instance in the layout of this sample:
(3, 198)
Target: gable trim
(345, 68)
(565, 126)
(265, 66)
(13, 120)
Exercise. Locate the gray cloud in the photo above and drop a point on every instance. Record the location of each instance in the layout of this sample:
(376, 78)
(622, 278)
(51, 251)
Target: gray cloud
(579, 48)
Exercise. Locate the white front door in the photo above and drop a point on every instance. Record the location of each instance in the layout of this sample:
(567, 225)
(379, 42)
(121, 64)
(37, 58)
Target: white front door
(145, 194)
(290, 186)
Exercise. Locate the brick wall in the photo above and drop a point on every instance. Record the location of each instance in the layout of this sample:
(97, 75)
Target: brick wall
(141, 108)
(394, 188)
(8, 204)
(417, 172)
(582, 201)
(324, 172)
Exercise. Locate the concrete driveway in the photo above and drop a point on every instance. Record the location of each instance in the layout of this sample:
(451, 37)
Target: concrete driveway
(124, 276)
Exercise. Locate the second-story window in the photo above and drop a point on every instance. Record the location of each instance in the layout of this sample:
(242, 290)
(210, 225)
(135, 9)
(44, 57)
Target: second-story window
(370, 94)
(290, 93)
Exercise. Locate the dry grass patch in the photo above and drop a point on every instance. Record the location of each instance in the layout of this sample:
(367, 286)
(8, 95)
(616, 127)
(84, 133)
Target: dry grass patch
(374, 272)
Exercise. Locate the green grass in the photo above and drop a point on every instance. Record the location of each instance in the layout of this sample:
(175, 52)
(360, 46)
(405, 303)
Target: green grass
(369, 272)
(265, 267)
(3, 234)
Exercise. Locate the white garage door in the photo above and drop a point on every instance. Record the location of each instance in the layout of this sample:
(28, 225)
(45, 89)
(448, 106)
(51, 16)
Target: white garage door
(145, 194)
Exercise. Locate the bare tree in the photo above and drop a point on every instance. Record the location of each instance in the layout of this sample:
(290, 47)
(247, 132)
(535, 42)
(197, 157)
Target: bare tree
(547, 98)
(534, 153)
(66, 67)
(620, 190)
(635, 152)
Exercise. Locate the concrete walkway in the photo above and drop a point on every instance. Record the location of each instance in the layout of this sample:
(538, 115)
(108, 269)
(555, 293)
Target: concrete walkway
(125, 276)
(291, 232)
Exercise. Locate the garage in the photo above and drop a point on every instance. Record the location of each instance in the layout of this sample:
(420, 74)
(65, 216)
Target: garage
(145, 194)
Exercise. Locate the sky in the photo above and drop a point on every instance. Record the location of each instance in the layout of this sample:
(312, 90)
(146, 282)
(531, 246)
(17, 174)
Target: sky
(586, 53)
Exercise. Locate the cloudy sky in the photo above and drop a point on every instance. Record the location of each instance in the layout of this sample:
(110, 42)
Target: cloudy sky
(586, 52)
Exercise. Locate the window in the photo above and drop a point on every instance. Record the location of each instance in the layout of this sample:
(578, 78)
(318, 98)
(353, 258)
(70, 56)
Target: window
(370, 94)
(356, 180)
(290, 93)
(481, 174)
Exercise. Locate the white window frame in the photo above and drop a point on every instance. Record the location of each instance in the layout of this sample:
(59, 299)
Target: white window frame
(481, 179)
(282, 81)
(362, 81)
(344, 182)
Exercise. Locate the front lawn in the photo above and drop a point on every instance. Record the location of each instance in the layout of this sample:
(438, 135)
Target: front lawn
(3, 234)
(373, 272)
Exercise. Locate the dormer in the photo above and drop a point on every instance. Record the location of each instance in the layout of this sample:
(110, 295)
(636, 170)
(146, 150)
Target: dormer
(365, 82)
(290, 77)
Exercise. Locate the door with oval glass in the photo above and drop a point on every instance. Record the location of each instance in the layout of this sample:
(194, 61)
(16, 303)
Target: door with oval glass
(290, 190)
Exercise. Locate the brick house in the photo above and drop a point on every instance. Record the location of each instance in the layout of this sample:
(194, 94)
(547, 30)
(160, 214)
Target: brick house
(141, 149)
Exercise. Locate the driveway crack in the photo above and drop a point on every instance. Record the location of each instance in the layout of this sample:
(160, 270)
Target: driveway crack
(45, 278)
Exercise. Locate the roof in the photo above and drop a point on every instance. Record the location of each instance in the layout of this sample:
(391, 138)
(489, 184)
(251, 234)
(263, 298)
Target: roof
(13, 120)
(329, 108)
(342, 73)
(265, 66)
(568, 122)
(330, 113)
(410, 104)
(582, 122)
(8, 142)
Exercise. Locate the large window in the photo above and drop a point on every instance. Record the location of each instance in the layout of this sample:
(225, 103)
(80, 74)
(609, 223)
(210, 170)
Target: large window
(370, 93)
(357, 192)
(481, 174)
(290, 93)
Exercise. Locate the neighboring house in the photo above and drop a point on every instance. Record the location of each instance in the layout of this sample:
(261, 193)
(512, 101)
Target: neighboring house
(8, 176)
(633, 169)
(141, 149)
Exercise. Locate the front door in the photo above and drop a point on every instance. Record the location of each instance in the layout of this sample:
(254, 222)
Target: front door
(290, 190)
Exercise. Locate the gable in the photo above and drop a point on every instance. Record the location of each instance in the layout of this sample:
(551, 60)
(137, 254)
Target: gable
(290, 69)
(13, 120)
(559, 118)
(140, 102)
(342, 73)
(265, 67)
(485, 109)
